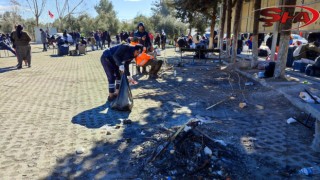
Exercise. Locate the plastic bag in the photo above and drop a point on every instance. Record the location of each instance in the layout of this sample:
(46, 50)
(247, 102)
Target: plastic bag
(124, 101)
(158, 52)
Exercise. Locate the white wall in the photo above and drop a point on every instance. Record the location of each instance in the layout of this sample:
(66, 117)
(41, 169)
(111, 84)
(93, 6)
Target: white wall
(52, 30)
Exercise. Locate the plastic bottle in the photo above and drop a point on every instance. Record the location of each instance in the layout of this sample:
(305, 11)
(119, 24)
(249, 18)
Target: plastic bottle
(175, 73)
(310, 170)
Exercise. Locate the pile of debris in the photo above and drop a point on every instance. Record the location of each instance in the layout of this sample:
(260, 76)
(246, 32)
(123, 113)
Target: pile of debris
(189, 153)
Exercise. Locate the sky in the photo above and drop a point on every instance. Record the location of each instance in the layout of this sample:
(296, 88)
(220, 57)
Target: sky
(126, 9)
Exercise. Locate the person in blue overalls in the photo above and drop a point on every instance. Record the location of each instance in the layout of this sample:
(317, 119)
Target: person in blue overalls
(117, 59)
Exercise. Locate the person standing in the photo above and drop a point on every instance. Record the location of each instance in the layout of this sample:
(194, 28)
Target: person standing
(97, 37)
(157, 40)
(103, 39)
(23, 48)
(163, 40)
(151, 36)
(44, 39)
(144, 38)
(117, 59)
(108, 38)
(118, 39)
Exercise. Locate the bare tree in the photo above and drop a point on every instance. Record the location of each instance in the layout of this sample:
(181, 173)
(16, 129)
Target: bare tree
(223, 19)
(229, 19)
(15, 11)
(37, 7)
(257, 7)
(236, 28)
(280, 69)
(66, 8)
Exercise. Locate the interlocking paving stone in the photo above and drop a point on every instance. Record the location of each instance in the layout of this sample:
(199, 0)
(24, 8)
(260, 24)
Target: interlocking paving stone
(59, 105)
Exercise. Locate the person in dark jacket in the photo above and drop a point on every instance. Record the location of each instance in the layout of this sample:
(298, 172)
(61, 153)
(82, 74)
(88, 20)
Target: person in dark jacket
(163, 40)
(118, 39)
(117, 59)
(103, 39)
(23, 48)
(125, 36)
(97, 37)
(157, 40)
(44, 39)
(144, 39)
(108, 38)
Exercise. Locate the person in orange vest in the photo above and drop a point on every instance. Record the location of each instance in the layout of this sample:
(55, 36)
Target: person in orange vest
(144, 60)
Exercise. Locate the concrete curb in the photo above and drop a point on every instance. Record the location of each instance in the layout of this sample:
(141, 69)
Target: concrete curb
(297, 103)
(294, 100)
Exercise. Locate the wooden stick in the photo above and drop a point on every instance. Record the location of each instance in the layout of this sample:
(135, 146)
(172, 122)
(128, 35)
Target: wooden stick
(216, 104)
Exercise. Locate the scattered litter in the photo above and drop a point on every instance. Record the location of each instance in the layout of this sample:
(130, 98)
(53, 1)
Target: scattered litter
(261, 75)
(117, 127)
(187, 128)
(232, 98)
(316, 99)
(127, 121)
(249, 84)
(191, 154)
(306, 97)
(142, 133)
(108, 133)
(182, 110)
(80, 150)
(291, 120)
(259, 107)
(174, 103)
(128, 140)
(305, 82)
(242, 105)
(193, 104)
(220, 142)
(207, 151)
(309, 171)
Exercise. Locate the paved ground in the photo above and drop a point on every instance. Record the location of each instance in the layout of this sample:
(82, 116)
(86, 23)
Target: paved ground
(58, 106)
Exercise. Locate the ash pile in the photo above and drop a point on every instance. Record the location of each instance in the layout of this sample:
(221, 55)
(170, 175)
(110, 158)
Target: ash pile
(190, 153)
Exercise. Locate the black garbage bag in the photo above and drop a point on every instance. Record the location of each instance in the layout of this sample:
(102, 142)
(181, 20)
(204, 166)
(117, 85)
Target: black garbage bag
(124, 101)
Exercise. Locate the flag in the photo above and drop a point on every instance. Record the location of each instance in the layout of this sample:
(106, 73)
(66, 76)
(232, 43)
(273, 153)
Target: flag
(51, 15)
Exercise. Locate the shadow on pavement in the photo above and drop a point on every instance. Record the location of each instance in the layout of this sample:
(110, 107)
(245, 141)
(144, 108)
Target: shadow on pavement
(99, 116)
(6, 69)
(109, 159)
(55, 55)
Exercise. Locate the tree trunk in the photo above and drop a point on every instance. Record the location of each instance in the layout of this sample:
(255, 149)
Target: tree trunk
(257, 7)
(275, 36)
(284, 41)
(60, 24)
(37, 21)
(222, 20)
(229, 18)
(213, 23)
(236, 28)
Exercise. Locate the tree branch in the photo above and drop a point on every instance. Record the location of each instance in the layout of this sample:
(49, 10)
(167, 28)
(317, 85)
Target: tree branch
(70, 12)
(30, 7)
